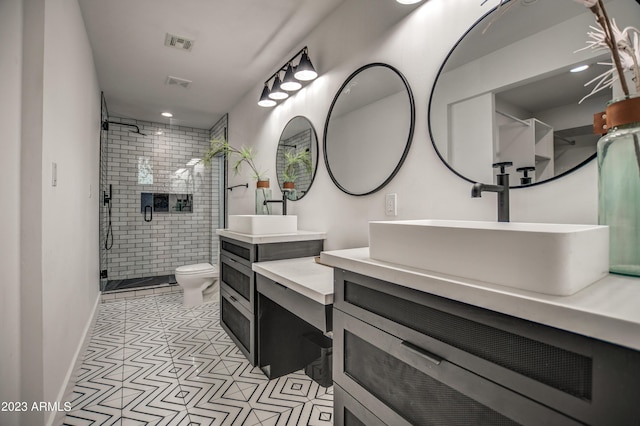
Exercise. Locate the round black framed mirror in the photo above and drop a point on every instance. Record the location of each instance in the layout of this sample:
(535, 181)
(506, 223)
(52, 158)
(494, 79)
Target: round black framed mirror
(369, 128)
(297, 157)
(508, 94)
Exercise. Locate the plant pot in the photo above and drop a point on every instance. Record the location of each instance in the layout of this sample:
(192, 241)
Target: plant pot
(289, 185)
(263, 193)
(619, 185)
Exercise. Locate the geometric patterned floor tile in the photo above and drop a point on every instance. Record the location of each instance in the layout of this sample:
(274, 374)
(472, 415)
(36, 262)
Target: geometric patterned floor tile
(151, 361)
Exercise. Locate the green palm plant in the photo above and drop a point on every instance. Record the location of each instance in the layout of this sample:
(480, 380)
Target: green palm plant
(293, 161)
(244, 155)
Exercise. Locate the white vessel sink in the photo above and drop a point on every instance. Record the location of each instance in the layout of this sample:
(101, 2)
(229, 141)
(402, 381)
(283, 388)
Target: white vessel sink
(554, 259)
(254, 224)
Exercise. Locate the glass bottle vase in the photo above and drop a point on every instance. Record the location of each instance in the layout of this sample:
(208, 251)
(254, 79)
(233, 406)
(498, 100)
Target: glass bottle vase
(263, 193)
(619, 196)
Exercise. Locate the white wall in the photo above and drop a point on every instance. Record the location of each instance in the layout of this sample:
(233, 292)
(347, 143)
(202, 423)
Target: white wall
(50, 109)
(10, 104)
(425, 187)
(70, 138)
(472, 137)
(31, 353)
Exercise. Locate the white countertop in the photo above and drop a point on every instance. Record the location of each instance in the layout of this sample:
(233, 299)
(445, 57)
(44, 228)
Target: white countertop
(303, 275)
(608, 309)
(272, 238)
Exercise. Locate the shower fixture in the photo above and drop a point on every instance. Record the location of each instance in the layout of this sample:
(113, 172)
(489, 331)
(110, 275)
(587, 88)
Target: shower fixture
(105, 126)
(106, 201)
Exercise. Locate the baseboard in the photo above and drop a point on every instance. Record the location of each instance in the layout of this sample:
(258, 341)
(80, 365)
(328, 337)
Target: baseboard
(57, 417)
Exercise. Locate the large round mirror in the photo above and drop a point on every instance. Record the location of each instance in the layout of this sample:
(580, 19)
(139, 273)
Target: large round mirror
(297, 157)
(506, 92)
(369, 129)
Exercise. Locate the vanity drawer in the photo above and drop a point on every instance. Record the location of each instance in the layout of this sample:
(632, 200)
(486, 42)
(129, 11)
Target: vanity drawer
(579, 376)
(238, 323)
(288, 250)
(403, 384)
(239, 251)
(349, 412)
(241, 279)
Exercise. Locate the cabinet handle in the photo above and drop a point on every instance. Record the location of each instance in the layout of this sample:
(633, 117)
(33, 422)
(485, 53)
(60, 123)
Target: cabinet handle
(233, 299)
(284, 287)
(434, 359)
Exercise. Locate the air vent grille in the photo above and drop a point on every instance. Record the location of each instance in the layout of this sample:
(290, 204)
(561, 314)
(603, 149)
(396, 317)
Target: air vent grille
(178, 42)
(175, 81)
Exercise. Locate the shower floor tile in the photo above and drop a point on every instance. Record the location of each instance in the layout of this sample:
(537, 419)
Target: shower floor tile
(150, 361)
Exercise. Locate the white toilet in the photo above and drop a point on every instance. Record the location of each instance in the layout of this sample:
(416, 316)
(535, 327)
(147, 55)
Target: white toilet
(194, 279)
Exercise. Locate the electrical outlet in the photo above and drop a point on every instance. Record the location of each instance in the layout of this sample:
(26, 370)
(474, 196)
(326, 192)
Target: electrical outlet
(391, 204)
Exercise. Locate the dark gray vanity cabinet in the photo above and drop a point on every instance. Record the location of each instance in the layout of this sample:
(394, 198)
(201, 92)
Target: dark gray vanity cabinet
(238, 295)
(406, 357)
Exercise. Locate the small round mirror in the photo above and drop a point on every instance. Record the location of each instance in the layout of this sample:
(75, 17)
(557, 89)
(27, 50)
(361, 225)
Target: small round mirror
(369, 129)
(297, 158)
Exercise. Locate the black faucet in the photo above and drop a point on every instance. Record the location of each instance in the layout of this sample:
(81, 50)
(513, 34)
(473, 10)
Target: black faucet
(525, 179)
(502, 188)
(283, 201)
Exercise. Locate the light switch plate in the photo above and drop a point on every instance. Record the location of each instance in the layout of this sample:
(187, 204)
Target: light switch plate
(391, 204)
(54, 174)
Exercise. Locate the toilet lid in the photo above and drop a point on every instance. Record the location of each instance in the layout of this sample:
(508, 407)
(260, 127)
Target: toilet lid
(196, 269)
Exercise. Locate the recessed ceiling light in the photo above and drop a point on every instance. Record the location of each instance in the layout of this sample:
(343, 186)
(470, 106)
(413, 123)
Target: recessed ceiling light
(167, 114)
(408, 1)
(579, 68)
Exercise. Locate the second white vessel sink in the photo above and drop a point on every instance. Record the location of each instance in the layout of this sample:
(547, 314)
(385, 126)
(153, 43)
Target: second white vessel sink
(254, 224)
(554, 259)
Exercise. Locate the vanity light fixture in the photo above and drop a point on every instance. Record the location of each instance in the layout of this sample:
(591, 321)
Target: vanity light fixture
(276, 91)
(295, 76)
(265, 100)
(305, 70)
(289, 82)
(579, 68)
(408, 1)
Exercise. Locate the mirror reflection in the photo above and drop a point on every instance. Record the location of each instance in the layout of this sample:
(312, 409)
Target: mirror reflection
(368, 129)
(509, 94)
(297, 158)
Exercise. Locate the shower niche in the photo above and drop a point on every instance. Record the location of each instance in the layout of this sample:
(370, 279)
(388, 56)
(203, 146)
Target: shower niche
(153, 202)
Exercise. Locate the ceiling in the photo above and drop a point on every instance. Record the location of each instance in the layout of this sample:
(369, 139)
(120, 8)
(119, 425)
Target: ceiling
(237, 45)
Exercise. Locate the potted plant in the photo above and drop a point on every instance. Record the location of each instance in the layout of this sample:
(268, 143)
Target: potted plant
(293, 162)
(244, 156)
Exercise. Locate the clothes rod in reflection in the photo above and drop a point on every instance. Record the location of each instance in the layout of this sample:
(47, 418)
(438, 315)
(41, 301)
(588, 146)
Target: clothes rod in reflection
(526, 123)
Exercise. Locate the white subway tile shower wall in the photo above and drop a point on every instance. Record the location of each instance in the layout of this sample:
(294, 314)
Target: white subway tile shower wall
(143, 249)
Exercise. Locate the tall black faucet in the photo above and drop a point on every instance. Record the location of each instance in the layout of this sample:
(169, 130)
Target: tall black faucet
(283, 201)
(502, 188)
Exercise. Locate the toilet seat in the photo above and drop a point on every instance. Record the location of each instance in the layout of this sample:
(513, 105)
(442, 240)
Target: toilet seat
(199, 268)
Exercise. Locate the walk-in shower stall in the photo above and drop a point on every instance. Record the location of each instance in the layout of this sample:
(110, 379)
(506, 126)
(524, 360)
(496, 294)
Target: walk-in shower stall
(160, 205)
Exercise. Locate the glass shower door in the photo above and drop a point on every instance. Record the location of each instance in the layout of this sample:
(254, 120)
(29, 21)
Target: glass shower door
(162, 211)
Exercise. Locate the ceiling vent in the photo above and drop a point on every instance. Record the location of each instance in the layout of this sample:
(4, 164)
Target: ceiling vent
(175, 81)
(178, 42)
